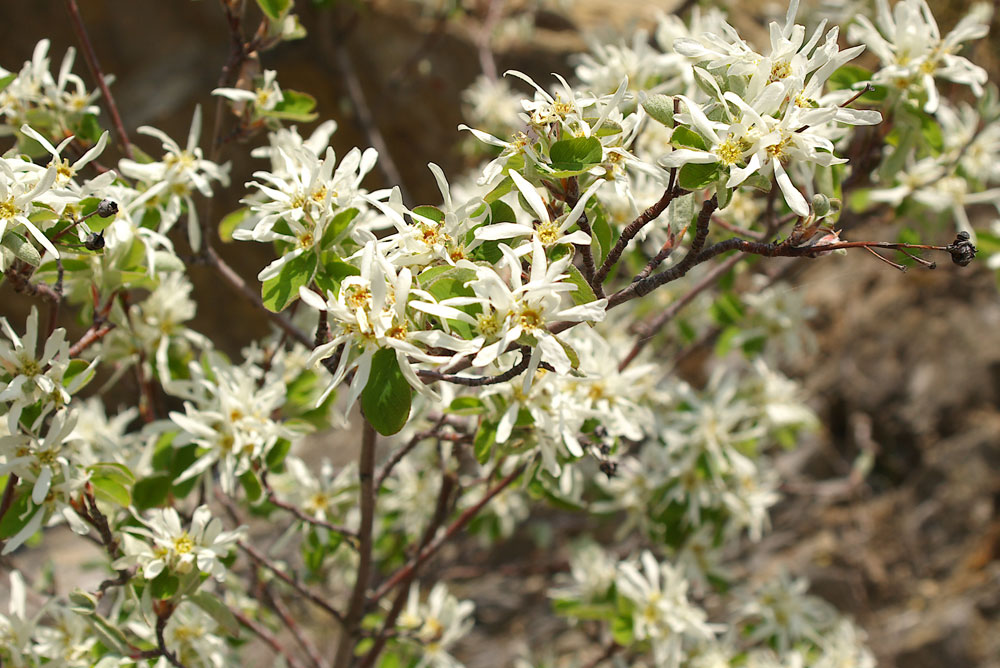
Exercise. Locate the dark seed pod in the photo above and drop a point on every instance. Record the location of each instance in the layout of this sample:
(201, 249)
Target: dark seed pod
(107, 208)
(962, 251)
(95, 241)
(609, 468)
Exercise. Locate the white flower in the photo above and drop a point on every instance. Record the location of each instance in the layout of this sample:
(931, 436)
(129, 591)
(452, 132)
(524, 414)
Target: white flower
(780, 610)
(176, 175)
(661, 611)
(549, 232)
(20, 185)
(16, 628)
(264, 97)
(528, 308)
(436, 625)
(167, 545)
(909, 44)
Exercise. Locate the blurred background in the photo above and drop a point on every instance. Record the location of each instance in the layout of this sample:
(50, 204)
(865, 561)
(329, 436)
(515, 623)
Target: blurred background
(907, 370)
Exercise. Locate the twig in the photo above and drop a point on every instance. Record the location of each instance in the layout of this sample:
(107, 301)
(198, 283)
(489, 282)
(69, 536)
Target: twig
(631, 230)
(293, 627)
(95, 71)
(669, 313)
(254, 554)
(162, 617)
(272, 497)
(234, 280)
(487, 61)
(448, 483)
(90, 337)
(269, 638)
(356, 607)
(480, 381)
(336, 45)
(416, 561)
(647, 285)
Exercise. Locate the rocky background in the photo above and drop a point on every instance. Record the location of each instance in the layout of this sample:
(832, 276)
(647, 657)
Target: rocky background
(908, 368)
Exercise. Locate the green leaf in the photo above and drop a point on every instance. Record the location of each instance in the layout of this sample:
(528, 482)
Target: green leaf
(386, 399)
(17, 515)
(603, 234)
(112, 482)
(846, 76)
(337, 228)
(501, 212)
(283, 289)
(230, 222)
(680, 212)
(82, 603)
(109, 635)
(723, 194)
(466, 406)
(430, 212)
(89, 130)
(276, 455)
(684, 137)
(758, 182)
(499, 190)
(576, 155)
(251, 485)
(21, 248)
(74, 369)
(694, 176)
(727, 309)
(584, 294)
(218, 611)
(486, 436)
(332, 272)
(111, 491)
(164, 585)
(660, 108)
(6, 81)
(152, 491)
(274, 9)
(294, 106)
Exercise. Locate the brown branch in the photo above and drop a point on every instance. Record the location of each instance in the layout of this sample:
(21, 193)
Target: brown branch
(645, 286)
(254, 554)
(448, 483)
(269, 638)
(293, 627)
(415, 562)
(631, 230)
(669, 313)
(272, 497)
(95, 71)
(90, 337)
(356, 607)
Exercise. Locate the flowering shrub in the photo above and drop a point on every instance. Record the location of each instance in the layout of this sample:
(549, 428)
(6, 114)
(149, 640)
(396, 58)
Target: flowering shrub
(497, 342)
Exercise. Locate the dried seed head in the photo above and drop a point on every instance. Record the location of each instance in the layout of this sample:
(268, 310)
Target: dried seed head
(107, 208)
(962, 250)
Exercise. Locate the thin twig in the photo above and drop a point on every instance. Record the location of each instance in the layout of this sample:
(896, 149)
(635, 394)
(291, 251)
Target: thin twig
(457, 525)
(317, 600)
(448, 483)
(272, 497)
(293, 627)
(631, 230)
(647, 285)
(669, 313)
(269, 638)
(335, 45)
(95, 71)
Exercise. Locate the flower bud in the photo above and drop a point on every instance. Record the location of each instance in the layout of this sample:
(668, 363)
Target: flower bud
(820, 205)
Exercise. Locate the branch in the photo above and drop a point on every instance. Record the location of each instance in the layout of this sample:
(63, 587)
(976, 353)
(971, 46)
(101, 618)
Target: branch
(632, 229)
(646, 285)
(669, 313)
(95, 71)
(269, 638)
(414, 563)
(272, 497)
(356, 608)
(254, 554)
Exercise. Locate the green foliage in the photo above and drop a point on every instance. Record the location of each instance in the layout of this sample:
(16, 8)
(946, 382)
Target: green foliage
(280, 291)
(386, 399)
